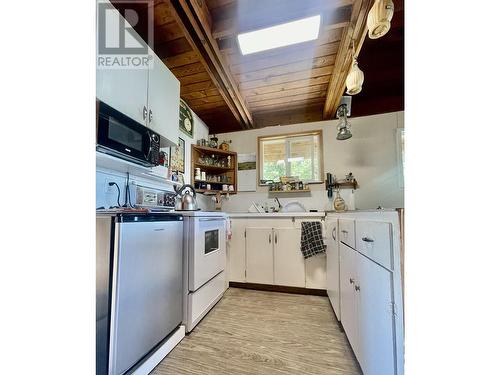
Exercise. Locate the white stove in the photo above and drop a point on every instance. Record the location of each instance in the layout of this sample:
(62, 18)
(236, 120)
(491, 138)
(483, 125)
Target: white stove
(204, 263)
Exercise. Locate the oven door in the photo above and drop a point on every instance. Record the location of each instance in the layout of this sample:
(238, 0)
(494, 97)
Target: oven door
(123, 137)
(208, 253)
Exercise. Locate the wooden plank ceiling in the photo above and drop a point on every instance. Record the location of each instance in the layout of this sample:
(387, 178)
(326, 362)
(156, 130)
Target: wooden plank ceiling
(196, 39)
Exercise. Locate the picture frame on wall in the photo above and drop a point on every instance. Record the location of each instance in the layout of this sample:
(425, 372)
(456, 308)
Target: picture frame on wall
(177, 156)
(164, 157)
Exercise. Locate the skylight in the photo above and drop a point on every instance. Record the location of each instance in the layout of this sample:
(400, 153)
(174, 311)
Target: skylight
(286, 34)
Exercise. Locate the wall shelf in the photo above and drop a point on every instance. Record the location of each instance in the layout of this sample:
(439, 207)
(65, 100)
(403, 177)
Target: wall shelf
(212, 192)
(210, 150)
(228, 173)
(212, 167)
(289, 191)
(344, 185)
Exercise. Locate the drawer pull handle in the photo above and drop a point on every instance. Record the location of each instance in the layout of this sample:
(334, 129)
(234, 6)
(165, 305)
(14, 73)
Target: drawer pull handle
(344, 231)
(366, 239)
(351, 281)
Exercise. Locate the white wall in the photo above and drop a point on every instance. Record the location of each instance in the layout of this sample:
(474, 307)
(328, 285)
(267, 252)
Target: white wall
(371, 155)
(107, 197)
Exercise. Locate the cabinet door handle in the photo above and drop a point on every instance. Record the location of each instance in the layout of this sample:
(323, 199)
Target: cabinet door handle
(269, 237)
(367, 239)
(333, 233)
(144, 113)
(275, 238)
(150, 115)
(356, 288)
(351, 281)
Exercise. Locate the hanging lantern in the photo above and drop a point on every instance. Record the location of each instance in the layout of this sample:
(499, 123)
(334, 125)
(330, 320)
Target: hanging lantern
(355, 78)
(344, 127)
(379, 18)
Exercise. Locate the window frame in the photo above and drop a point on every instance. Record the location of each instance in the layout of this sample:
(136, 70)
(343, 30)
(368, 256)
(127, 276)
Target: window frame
(318, 133)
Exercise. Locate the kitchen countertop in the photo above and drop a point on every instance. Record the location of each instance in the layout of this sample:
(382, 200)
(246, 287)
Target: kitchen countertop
(276, 214)
(304, 214)
(146, 211)
(364, 210)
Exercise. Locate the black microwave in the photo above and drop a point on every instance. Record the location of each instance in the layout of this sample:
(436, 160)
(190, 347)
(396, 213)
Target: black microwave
(123, 137)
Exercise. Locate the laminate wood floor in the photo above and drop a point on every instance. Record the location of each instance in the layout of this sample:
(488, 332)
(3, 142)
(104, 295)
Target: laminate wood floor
(269, 333)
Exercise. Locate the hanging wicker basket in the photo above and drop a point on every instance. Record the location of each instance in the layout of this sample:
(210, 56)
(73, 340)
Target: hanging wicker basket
(355, 78)
(379, 18)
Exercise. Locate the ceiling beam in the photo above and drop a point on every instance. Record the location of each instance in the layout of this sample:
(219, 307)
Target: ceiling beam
(194, 18)
(356, 33)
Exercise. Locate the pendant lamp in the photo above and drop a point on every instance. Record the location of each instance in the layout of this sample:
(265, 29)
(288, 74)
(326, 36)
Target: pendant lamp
(379, 18)
(355, 78)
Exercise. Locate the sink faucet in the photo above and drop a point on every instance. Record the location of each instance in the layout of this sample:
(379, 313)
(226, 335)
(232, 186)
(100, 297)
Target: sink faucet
(279, 204)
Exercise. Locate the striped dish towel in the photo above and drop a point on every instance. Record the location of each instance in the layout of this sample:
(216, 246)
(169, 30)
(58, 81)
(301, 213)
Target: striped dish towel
(311, 239)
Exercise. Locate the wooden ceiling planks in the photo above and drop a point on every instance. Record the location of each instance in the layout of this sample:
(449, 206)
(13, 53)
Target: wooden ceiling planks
(248, 15)
(354, 34)
(285, 77)
(175, 51)
(194, 19)
(298, 83)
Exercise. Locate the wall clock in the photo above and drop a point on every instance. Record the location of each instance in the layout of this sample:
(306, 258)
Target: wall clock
(186, 123)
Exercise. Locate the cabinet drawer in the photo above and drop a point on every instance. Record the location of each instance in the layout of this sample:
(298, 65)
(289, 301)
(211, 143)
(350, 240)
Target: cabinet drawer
(373, 239)
(346, 232)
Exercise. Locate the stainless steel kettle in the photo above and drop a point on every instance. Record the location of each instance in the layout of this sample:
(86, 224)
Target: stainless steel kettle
(186, 198)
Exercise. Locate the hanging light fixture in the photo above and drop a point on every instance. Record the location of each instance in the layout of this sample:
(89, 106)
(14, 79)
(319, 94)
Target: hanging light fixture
(344, 127)
(379, 18)
(355, 78)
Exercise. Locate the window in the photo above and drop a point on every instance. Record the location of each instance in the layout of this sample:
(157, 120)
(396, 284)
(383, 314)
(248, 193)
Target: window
(297, 155)
(282, 35)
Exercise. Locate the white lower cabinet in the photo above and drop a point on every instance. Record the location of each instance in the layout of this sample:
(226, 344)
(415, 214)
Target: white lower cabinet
(266, 251)
(259, 255)
(333, 265)
(289, 268)
(375, 318)
(316, 272)
(236, 262)
(367, 311)
(348, 300)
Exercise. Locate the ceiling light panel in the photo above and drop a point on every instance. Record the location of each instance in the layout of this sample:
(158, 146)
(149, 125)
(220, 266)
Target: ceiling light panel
(286, 34)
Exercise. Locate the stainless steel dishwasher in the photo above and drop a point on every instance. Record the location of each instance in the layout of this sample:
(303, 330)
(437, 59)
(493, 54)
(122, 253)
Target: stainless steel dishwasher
(139, 287)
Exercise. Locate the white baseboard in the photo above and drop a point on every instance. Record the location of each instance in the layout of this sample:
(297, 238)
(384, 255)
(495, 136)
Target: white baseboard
(149, 364)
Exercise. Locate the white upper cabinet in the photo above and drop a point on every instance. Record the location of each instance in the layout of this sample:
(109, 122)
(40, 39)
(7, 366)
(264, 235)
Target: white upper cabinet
(289, 267)
(148, 96)
(126, 90)
(163, 102)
